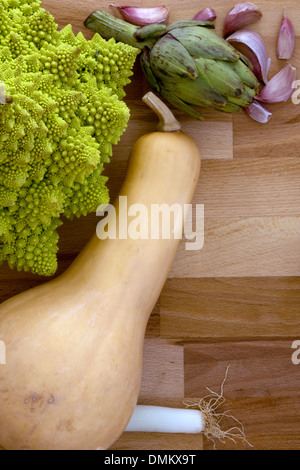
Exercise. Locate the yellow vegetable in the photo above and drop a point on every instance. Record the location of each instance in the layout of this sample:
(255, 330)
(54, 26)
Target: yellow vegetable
(74, 345)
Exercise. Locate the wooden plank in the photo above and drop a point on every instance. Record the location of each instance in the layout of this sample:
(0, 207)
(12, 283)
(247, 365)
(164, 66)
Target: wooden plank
(231, 308)
(250, 187)
(163, 370)
(257, 368)
(239, 247)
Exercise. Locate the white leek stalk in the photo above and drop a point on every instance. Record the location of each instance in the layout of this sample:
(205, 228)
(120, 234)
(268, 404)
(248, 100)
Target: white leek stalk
(166, 420)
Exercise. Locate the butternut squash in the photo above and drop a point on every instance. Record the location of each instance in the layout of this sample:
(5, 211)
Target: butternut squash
(74, 345)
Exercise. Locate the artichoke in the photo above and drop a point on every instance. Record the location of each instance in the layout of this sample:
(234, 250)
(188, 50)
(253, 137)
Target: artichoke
(186, 62)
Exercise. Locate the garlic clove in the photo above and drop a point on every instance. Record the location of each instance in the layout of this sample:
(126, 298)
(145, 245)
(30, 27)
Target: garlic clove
(281, 87)
(252, 45)
(241, 15)
(140, 16)
(258, 112)
(208, 14)
(286, 39)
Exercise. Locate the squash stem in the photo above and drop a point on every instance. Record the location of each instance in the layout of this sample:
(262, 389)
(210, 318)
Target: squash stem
(167, 120)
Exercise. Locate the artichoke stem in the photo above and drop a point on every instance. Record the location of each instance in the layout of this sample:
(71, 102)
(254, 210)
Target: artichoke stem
(109, 27)
(167, 120)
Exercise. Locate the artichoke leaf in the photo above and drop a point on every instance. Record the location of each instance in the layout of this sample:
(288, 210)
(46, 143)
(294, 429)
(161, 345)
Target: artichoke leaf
(146, 68)
(180, 104)
(222, 76)
(198, 93)
(202, 42)
(170, 60)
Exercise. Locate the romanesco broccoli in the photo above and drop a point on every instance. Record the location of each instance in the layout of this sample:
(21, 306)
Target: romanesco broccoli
(61, 114)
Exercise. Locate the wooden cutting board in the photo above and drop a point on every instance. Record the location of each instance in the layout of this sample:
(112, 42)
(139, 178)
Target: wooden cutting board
(236, 302)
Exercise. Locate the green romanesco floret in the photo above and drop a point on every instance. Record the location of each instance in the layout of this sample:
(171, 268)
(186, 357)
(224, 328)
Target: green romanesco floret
(62, 114)
(34, 251)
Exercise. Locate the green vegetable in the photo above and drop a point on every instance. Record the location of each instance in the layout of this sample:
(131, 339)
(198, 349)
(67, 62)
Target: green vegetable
(189, 64)
(61, 111)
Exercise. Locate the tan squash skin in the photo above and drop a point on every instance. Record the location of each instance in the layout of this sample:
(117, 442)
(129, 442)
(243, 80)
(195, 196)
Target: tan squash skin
(74, 345)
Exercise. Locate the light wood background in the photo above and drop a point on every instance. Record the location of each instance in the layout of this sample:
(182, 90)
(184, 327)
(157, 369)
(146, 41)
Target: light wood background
(236, 302)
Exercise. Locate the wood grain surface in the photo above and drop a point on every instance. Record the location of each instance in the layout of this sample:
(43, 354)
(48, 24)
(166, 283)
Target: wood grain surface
(236, 302)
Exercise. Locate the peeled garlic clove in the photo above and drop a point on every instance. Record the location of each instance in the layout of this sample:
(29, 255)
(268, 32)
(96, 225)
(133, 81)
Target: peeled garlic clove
(286, 39)
(281, 87)
(144, 16)
(258, 112)
(208, 14)
(241, 15)
(252, 45)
